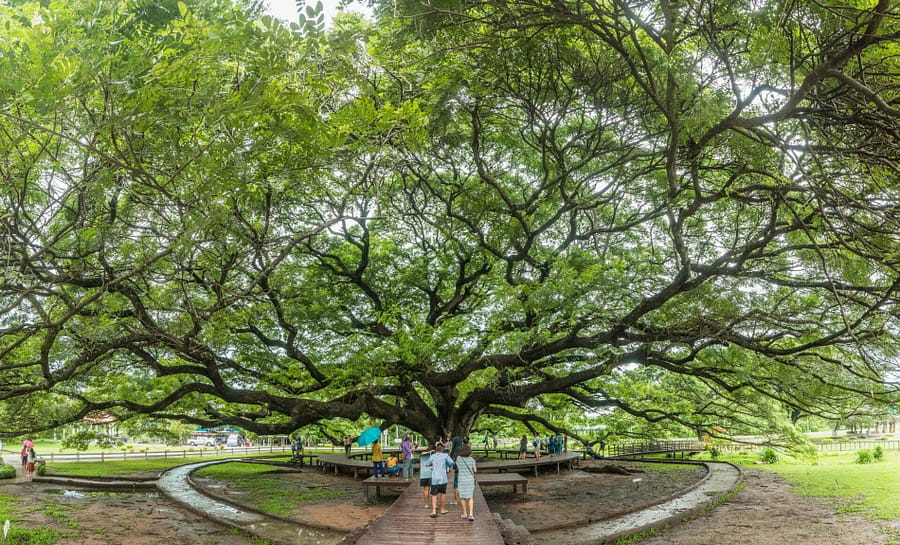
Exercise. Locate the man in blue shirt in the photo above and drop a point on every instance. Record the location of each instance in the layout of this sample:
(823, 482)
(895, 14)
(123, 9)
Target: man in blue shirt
(439, 463)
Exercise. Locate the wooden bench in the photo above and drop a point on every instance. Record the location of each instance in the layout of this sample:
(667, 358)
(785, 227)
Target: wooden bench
(301, 458)
(483, 479)
(341, 461)
(393, 483)
(501, 479)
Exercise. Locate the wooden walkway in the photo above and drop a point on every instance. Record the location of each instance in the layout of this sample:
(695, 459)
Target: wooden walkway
(357, 467)
(566, 459)
(407, 521)
(483, 479)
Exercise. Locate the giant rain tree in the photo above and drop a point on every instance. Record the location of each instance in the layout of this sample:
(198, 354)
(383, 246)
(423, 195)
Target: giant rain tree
(669, 209)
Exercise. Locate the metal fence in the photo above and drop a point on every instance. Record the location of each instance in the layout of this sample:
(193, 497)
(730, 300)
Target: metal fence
(654, 447)
(191, 452)
(628, 449)
(852, 446)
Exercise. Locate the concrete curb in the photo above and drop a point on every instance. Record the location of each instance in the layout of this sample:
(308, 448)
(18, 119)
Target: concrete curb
(722, 479)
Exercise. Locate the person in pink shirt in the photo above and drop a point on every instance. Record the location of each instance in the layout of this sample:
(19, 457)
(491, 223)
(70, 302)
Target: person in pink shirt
(407, 456)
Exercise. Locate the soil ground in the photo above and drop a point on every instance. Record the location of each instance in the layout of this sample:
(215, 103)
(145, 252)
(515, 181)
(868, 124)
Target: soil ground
(765, 512)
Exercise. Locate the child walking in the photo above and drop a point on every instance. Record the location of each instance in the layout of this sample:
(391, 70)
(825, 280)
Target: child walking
(425, 474)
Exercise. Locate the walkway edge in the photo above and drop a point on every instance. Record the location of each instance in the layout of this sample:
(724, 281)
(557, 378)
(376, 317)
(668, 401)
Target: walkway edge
(722, 479)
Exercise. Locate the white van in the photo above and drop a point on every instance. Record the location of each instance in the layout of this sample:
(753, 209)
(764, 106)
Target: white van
(202, 441)
(232, 440)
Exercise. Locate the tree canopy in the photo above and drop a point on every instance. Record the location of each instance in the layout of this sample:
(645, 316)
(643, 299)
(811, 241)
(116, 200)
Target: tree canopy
(683, 212)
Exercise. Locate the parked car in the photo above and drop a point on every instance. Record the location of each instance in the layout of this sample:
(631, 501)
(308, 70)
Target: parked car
(202, 441)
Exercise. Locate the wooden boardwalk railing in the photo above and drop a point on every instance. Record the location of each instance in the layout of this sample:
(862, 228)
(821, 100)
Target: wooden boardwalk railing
(361, 467)
(566, 459)
(654, 447)
(407, 521)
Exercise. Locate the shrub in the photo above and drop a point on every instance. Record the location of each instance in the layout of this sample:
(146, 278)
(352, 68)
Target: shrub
(713, 452)
(24, 536)
(7, 471)
(769, 455)
(878, 454)
(864, 457)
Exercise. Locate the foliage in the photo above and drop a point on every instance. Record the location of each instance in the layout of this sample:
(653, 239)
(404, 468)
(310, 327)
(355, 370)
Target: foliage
(22, 536)
(82, 440)
(37, 536)
(878, 454)
(670, 217)
(864, 456)
(7, 471)
(635, 538)
(769, 455)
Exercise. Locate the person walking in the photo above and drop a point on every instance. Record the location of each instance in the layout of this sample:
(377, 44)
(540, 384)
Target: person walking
(537, 447)
(378, 461)
(406, 456)
(439, 462)
(456, 445)
(465, 470)
(30, 459)
(523, 447)
(347, 445)
(425, 474)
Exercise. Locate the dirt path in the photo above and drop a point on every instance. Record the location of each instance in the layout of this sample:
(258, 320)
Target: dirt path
(765, 512)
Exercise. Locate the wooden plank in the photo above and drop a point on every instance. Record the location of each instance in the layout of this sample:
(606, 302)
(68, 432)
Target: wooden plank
(390, 482)
(500, 479)
(339, 461)
(409, 523)
(556, 460)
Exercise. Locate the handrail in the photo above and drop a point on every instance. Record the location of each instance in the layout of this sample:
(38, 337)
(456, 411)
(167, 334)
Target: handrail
(656, 447)
(192, 452)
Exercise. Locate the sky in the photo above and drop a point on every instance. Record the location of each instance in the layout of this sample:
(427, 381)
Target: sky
(287, 9)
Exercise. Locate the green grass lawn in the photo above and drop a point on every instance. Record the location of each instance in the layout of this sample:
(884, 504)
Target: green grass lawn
(872, 490)
(264, 489)
(123, 467)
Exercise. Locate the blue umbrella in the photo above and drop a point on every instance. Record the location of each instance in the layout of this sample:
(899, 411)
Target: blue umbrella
(368, 436)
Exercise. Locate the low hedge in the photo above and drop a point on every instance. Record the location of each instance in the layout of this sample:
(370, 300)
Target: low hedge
(7, 471)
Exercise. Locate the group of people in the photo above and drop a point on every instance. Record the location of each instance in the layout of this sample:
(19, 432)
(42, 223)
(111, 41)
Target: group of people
(382, 468)
(29, 458)
(436, 463)
(556, 444)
